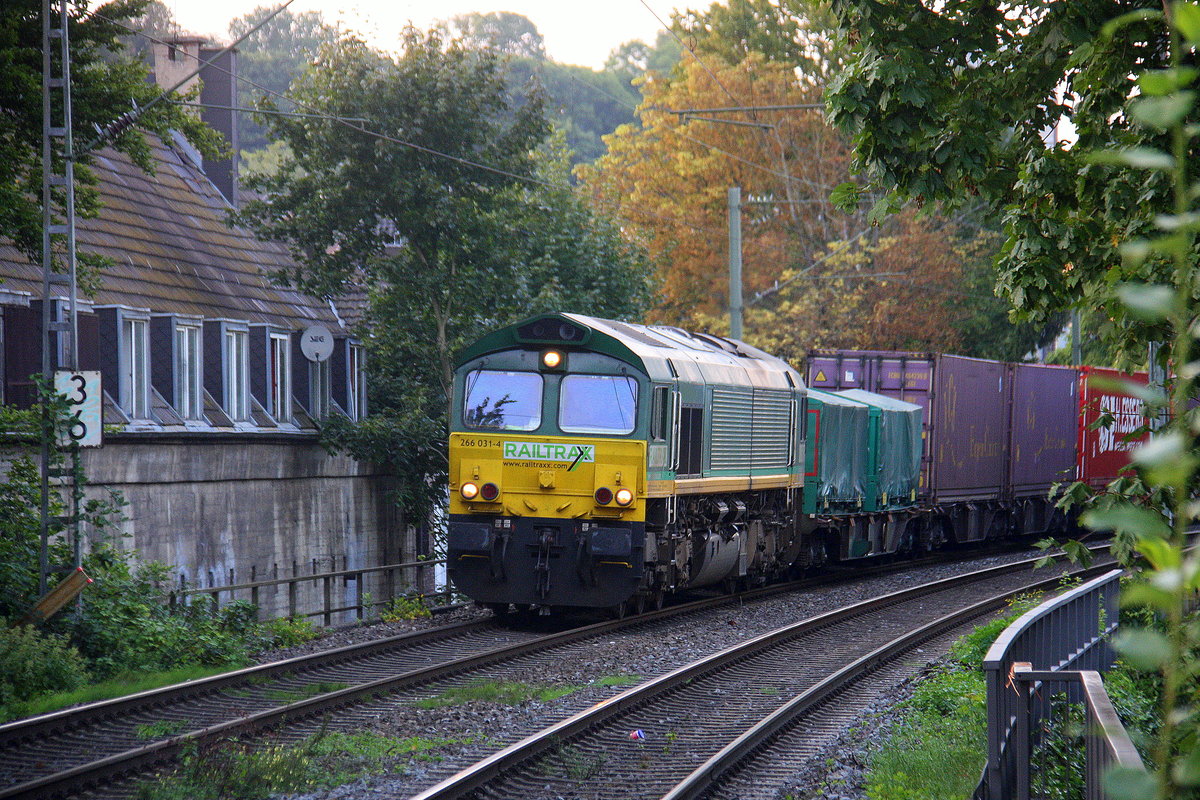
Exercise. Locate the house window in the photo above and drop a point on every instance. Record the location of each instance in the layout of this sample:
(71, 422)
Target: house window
(237, 375)
(135, 368)
(356, 397)
(279, 377)
(319, 385)
(187, 372)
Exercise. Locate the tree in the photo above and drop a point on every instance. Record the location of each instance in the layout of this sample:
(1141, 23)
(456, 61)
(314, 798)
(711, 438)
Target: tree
(669, 179)
(957, 102)
(103, 87)
(271, 57)
(504, 31)
(456, 220)
(797, 33)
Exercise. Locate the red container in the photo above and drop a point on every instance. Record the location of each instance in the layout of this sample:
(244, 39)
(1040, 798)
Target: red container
(1104, 451)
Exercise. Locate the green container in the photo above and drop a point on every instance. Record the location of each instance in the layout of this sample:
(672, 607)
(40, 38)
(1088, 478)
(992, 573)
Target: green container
(893, 450)
(835, 468)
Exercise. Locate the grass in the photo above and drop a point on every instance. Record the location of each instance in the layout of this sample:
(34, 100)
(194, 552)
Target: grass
(160, 729)
(938, 748)
(238, 770)
(119, 686)
(288, 696)
(511, 693)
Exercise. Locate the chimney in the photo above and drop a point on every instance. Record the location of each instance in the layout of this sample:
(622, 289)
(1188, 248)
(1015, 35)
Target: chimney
(219, 97)
(174, 59)
(180, 56)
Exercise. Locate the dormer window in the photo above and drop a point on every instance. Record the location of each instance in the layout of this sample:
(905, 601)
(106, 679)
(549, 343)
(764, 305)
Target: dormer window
(279, 382)
(236, 395)
(135, 368)
(189, 403)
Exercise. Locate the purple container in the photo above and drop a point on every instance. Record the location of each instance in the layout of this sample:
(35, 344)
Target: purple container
(966, 412)
(1045, 409)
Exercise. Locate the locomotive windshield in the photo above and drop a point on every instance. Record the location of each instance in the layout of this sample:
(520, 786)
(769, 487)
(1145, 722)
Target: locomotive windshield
(597, 404)
(502, 401)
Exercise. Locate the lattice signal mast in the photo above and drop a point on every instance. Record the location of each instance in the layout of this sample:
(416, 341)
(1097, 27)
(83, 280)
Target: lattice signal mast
(58, 183)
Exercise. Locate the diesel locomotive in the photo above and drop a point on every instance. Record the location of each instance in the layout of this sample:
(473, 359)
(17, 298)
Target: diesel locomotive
(604, 464)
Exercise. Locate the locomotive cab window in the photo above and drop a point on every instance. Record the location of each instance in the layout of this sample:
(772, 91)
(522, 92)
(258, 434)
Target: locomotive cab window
(495, 400)
(597, 404)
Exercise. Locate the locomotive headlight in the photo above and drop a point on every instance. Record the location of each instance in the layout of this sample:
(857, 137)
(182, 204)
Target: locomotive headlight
(489, 492)
(469, 490)
(552, 359)
(604, 496)
(624, 497)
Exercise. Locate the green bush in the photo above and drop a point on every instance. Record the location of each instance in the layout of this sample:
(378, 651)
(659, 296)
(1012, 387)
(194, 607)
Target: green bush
(33, 663)
(128, 626)
(287, 632)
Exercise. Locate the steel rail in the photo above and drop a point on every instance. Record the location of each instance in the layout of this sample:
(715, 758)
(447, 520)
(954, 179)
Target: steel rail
(738, 751)
(78, 716)
(484, 771)
(121, 764)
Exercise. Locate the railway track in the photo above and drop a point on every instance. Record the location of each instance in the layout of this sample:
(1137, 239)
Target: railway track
(65, 752)
(706, 718)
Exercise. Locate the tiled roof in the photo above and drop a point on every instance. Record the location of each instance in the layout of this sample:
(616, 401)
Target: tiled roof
(173, 251)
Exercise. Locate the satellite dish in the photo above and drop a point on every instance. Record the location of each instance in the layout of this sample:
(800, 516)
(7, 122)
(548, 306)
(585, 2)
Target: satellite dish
(316, 342)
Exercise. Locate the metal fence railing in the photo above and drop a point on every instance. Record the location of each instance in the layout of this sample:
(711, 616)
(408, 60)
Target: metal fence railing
(1043, 670)
(387, 583)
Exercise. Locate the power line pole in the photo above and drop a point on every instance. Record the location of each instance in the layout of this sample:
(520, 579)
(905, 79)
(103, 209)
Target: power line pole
(734, 196)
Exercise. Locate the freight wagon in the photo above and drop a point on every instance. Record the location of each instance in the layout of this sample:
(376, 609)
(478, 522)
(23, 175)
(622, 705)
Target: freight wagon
(997, 435)
(604, 464)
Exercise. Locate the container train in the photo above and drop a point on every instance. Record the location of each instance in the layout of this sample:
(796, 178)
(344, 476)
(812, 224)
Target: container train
(603, 464)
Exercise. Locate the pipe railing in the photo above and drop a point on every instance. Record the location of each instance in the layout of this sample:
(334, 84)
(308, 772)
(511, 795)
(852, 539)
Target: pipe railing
(361, 606)
(1063, 642)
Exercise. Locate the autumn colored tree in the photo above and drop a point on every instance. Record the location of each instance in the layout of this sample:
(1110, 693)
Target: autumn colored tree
(669, 177)
(813, 275)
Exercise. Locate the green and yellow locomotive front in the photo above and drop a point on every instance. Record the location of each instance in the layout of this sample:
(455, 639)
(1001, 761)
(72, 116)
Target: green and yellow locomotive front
(547, 469)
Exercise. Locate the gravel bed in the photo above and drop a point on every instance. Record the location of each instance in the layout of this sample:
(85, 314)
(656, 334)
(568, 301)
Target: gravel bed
(839, 772)
(333, 638)
(484, 727)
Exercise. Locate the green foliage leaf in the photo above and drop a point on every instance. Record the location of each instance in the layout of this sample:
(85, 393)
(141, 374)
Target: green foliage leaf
(1186, 770)
(1137, 157)
(1111, 27)
(1128, 783)
(1162, 113)
(1186, 18)
(1143, 648)
(846, 196)
(1161, 554)
(1151, 302)
(1161, 450)
(1159, 82)
(1126, 518)
(1151, 395)
(1147, 596)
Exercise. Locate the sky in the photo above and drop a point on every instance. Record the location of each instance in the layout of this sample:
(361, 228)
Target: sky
(575, 32)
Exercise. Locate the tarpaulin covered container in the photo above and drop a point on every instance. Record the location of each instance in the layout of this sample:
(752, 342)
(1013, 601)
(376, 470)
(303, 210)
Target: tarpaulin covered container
(1045, 415)
(834, 464)
(966, 412)
(1105, 449)
(894, 444)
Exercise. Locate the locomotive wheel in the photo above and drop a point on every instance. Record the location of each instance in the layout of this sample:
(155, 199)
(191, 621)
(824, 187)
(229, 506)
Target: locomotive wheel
(502, 610)
(656, 599)
(638, 602)
(620, 610)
